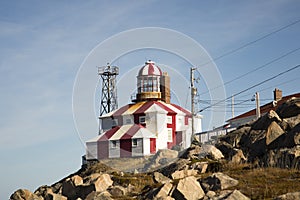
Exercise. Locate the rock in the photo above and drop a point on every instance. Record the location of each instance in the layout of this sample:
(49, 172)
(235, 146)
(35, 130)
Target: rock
(188, 188)
(164, 191)
(291, 122)
(191, 153)
(162, 157)
(184, 173)
(201, 167)
(69, 186)
(290, 108)
(225, 148)
(117, 191)
(273, 132)
(293, 137)
(160, 178)
(52, 196)
(236, 195)
(89, 179)
(102, 182)
(289, 196)
(263, 122)
(219, 181)
(283, 158)
(238, 157)
(210, 194)
(180, 164)
(23, 194)
(43, 191)
(233, 138)
(99, 196)
(211, 151)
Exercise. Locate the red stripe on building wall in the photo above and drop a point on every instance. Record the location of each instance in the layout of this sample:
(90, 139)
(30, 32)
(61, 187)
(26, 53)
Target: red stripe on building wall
(131, 132)
(121, 110)
(108, 134)
(173, 126)
(144, 107)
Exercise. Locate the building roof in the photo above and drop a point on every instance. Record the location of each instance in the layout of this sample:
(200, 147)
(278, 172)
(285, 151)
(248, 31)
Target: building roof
(265, 108)
(148, 106)
(150, 68)
(125, 132)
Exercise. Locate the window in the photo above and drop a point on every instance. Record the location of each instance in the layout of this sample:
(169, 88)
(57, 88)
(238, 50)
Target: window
(115, 122)
(170, 136)
(113, 144)
(134, 142)
(169, 119)
(128, 121)
(142, 119)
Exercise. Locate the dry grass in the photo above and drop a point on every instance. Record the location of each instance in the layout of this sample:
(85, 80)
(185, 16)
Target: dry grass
(264, 183)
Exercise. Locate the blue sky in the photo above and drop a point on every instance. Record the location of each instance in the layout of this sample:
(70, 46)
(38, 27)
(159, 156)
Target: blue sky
(43, 45)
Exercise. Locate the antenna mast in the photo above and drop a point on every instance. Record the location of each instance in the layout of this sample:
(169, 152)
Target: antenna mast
(109, 90)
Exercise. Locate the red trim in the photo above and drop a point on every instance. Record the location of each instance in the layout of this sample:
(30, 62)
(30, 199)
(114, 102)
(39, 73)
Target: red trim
(188, 113)
(173, 127)
(131, 132)
(108, 134)
(150, 69)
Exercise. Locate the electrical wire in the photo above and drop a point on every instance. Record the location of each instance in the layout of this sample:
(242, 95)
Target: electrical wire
(251, 71)
(251, 87)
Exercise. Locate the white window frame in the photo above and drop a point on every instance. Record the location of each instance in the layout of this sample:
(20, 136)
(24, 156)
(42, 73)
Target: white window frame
(169, 120)
(128, 121)
(170, 135)
(142, 119)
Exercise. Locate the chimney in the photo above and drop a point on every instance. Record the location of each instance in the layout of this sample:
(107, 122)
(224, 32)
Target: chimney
(165, 88)
(277, 94)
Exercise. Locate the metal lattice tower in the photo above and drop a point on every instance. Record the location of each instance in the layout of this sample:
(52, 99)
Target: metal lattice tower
(109, 90)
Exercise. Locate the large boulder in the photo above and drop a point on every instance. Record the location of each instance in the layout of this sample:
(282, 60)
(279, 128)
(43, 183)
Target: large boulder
(23, 194)
(273, 132)
(263, 122)
(238, 157)
(191, 152)
(160, 178)
(188, 188)
(201, 167)
(292, 137)
(211, 152)
(99, 196)
(219, 181)
(184, 173)
(290, 108)
(161, 158)
(69, 186)
(180, 164)
(163, 191)
(102, 182)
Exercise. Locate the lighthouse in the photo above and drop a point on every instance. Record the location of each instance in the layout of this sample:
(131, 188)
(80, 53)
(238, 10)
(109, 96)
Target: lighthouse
(151, 122)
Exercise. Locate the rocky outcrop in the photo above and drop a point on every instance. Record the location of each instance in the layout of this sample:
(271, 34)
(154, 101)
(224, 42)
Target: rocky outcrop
(23, 194)
(218, 181)
(272, 140)
(289, 196)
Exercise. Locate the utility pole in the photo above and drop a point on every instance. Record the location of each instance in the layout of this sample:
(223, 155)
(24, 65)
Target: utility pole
(257, 105)
(232, 106)
(193, 94)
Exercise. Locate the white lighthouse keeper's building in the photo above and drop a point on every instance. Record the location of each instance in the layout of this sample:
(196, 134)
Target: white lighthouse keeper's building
(150, 123)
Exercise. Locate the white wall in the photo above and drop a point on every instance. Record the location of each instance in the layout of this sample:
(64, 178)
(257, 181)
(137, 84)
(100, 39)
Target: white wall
(146, 146)
(114, 152)
(91, 150)
(138, 150)
(106, 123)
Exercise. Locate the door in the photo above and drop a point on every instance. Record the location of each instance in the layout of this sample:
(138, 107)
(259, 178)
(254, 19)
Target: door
(153, 145)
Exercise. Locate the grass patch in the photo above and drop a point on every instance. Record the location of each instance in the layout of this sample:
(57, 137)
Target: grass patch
(264, 183)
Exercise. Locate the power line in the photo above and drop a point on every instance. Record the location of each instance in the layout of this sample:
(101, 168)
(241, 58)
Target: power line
(256, 69)
(260, 83)
(250, 43)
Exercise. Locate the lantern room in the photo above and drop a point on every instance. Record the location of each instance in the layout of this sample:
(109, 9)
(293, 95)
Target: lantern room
(149, 82)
